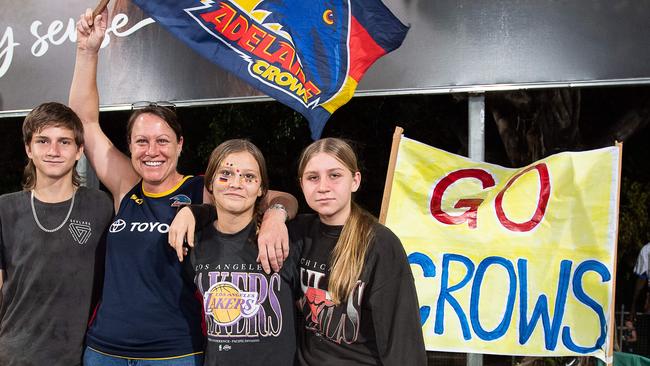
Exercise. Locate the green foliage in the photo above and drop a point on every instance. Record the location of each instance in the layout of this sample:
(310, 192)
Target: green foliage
(634, 226)
(634, 219)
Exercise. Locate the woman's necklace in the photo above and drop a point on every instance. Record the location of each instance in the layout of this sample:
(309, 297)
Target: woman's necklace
(74, 193)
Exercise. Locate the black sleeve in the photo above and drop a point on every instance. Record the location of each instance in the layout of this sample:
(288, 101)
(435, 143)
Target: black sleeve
(204, 214)
(106, 205)
(188, 269)
(2, 262)
(290, 269)
(187, 265)
(394, 304)
(2, 249)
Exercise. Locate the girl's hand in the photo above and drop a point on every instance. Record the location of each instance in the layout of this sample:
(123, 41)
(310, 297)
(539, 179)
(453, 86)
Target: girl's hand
(273, 241)
(182, 230)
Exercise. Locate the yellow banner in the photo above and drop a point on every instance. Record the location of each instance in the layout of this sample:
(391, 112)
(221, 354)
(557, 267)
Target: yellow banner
(510, 261)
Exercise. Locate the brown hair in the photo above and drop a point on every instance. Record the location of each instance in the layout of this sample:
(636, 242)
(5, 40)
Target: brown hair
(166, 114)
(234, 146)
(349, 254)
(50, 114)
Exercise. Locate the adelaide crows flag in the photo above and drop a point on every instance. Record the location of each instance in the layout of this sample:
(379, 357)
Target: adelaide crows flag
(307, 54)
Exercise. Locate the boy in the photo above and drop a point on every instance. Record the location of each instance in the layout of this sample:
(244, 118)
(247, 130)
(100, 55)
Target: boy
(50, 235)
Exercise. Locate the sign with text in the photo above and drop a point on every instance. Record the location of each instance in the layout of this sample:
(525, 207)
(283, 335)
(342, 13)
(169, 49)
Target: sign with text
(510, 261)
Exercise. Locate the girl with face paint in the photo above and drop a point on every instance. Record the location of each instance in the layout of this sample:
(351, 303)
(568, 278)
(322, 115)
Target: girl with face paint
(240, 301)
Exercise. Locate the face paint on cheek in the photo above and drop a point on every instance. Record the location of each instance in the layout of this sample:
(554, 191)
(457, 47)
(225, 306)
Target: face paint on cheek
(220, 182)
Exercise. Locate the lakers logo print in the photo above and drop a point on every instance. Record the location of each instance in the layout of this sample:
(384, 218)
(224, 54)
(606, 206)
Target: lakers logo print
(226, 304)
(80, 231)
(117, 226)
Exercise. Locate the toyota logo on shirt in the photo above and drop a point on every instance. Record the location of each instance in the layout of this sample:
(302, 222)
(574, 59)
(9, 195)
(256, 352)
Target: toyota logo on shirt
(117, 226)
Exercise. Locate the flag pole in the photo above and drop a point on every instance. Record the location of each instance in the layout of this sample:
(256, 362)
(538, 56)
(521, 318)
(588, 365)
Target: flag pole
(612, 323)
(100, 8)
(397, 136)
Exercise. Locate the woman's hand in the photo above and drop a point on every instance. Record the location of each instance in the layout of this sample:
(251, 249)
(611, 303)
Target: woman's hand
(181, 230)
(91, 32)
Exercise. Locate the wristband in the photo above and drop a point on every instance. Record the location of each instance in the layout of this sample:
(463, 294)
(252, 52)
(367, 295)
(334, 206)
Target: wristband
(279, 206)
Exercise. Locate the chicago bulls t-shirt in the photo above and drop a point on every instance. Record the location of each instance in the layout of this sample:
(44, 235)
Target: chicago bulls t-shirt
(379, 323)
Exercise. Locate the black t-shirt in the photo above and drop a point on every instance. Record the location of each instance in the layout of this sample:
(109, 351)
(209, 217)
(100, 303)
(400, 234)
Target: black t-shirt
(378, 324)
(49, 276)
(249, 315)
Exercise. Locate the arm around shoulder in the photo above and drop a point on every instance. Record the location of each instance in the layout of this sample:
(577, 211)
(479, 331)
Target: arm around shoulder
(273, 238)
(287, 200)
(185, 222)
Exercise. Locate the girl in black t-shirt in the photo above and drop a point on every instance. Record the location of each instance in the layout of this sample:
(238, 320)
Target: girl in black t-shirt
(249, 315)
(359, 304)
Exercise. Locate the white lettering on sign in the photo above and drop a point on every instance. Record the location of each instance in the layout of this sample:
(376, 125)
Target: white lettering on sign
(59, 32)
(7, 46)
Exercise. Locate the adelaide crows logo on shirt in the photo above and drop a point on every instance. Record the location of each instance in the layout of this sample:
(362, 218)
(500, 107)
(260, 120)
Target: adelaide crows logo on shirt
(180, 200)
(309, 55)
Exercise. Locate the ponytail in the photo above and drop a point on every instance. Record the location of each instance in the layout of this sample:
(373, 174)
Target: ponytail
(349, 254)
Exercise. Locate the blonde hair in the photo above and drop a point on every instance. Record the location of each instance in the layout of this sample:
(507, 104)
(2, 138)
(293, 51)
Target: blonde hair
(349, 254)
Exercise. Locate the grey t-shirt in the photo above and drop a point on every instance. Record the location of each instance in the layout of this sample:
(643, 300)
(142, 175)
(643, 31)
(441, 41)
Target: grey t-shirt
(46, 295)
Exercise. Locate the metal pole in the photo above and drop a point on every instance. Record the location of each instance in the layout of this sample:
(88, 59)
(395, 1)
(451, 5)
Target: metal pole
(87, 174)
(476, 149)
(476, 132)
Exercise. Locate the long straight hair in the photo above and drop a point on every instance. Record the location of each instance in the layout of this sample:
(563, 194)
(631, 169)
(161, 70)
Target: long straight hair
(349, 254)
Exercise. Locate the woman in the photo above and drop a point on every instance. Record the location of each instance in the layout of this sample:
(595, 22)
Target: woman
(148, 311)
(358, 304)
(249, 315)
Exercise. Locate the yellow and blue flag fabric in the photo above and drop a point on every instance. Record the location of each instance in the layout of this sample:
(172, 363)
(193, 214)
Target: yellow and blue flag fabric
(510, 261)
(309, 55)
